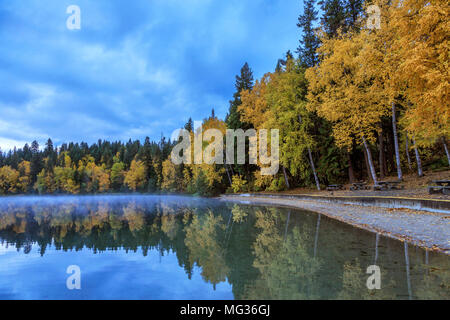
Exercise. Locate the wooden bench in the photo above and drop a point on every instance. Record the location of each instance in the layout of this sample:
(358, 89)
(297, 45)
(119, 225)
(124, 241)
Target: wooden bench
(387, 185)
(445, 183)
(335, 187)
(442, 186)
(439, 189)
(359, 186)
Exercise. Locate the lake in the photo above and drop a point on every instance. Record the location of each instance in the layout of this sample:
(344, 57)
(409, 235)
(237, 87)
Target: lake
(173, 247)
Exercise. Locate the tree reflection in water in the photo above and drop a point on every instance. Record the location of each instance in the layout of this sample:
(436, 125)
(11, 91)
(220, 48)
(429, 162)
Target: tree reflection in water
(263, 252)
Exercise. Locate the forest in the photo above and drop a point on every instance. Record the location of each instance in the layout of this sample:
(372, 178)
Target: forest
(354, 102)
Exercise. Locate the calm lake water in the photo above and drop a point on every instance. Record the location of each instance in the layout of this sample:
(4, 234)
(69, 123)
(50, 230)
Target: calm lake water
(170, 247)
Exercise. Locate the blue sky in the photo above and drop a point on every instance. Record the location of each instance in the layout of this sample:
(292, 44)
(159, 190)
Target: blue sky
(136, 68)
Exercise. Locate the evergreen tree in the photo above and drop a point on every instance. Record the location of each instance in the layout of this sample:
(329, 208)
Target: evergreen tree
(243, 82)
(15, 159)
(189, 126)
(36, 160)
(353, 9)
(146, 157)
(334, 16)
(50, 154)
(27, 152)
(309, 42)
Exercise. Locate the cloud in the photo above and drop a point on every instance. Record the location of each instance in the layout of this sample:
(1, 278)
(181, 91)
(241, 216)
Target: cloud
(135, 68)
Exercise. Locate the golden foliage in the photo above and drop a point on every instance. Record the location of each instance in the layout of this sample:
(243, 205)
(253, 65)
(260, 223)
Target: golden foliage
(135, 178)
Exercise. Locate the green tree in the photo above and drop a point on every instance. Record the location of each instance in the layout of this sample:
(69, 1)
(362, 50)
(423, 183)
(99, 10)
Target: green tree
(117, 174)
(334, 16)
(244, 81)
(36, 160)
(309, 42)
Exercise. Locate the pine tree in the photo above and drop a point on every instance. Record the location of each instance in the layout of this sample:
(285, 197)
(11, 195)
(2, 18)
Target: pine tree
(147, 159)
(243, 82)
(309, 42)
(36, 160)
(189, 126)
(50, 154)
(333, 16)
(353, 10)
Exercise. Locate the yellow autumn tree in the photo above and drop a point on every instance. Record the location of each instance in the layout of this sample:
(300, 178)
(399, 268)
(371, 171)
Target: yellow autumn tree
(205, 176)
(170, 182)
(135, 178)
(254, 108)
(421, 48)
(9, 180)
(64, 177)
(345, 89)
(256, 111)
(25, 178)
(95, 178)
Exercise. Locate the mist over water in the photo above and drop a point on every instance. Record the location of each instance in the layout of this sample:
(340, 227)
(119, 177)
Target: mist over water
(174, 247)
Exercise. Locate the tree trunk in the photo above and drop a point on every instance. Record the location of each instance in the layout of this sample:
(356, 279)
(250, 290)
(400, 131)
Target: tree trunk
(397, 152)
(382, 156)
(287, 225)
(377, 239)
(446, 150)
(390, 154)
(369, 160)
(407, 153)
(385, 166)
(313, 169)
(286, 178)
(232, 171)
(316, 238)
(351, 171)
(228, 174)
(367, 165)
(408, 278)
(419, 162)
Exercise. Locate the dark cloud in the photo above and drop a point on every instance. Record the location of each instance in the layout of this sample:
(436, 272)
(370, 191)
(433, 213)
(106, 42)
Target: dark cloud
(136, 68)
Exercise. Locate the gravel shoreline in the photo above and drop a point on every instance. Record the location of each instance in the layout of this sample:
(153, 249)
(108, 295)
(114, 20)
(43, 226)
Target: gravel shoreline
(421, 228)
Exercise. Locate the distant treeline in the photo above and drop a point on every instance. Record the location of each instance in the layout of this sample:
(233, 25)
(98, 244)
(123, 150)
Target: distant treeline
(360, 102)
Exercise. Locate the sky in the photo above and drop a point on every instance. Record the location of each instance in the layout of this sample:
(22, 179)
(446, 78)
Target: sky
(135, 68)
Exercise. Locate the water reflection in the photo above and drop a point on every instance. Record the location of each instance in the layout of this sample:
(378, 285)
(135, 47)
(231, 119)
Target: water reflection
(258, 252)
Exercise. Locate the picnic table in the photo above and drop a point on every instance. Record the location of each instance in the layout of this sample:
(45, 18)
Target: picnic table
(388, 185)
(442, 182)
(442, 186)
(359, 186)
(333, 187)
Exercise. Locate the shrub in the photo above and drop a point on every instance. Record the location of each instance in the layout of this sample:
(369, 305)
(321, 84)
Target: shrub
(238, 184)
